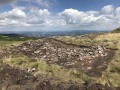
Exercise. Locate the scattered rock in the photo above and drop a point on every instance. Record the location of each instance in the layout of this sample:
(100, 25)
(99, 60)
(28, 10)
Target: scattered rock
(68, 55)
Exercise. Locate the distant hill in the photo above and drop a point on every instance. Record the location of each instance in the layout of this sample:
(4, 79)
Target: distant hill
(16, 37)
(117, 30)
(12, 35)
(51, 33)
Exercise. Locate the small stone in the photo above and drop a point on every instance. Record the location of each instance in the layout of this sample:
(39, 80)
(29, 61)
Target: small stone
(89, 68)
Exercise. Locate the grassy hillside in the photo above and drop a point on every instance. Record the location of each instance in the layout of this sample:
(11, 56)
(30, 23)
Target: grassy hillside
(111, 75)
(13, 39)
(117, 30)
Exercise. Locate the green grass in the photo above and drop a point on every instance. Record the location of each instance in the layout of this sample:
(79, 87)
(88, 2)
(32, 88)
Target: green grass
(15, 38)
(7, 40)
(8, 43)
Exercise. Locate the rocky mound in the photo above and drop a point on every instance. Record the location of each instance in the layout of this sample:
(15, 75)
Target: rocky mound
(15, 79)
(90, 60)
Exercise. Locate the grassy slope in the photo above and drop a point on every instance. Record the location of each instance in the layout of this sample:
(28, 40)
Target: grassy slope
(13, 40)
(117, 30)
(110, 76)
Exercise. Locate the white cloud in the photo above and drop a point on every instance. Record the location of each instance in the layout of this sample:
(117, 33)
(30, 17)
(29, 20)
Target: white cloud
(15, 17)
(107, 9)
(44, 11)
(8, 22)
(117, 14)
(92, 19)
(117, 11)
(15, 13)
(73, 16)
(37, 16)
(37, 19)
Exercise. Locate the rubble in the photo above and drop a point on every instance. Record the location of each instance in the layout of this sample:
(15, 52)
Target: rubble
(53, 51)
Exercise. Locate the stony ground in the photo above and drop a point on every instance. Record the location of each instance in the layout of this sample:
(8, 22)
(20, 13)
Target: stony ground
(90, 60)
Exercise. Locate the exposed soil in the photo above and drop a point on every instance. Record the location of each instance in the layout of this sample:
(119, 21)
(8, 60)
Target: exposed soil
(90, 60)
(12, 78)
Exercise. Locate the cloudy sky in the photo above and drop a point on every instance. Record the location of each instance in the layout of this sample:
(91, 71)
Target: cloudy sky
(36, 15)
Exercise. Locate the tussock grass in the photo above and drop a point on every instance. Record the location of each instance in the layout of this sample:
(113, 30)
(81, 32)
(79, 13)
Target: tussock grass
(111, 75)
(76, 40)
(111, 79)
(51, 70)
(8, 43)
(109, 40)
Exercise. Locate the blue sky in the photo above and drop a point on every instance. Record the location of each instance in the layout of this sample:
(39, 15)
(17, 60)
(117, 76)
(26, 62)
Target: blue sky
(36, 15)
(84, 5)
